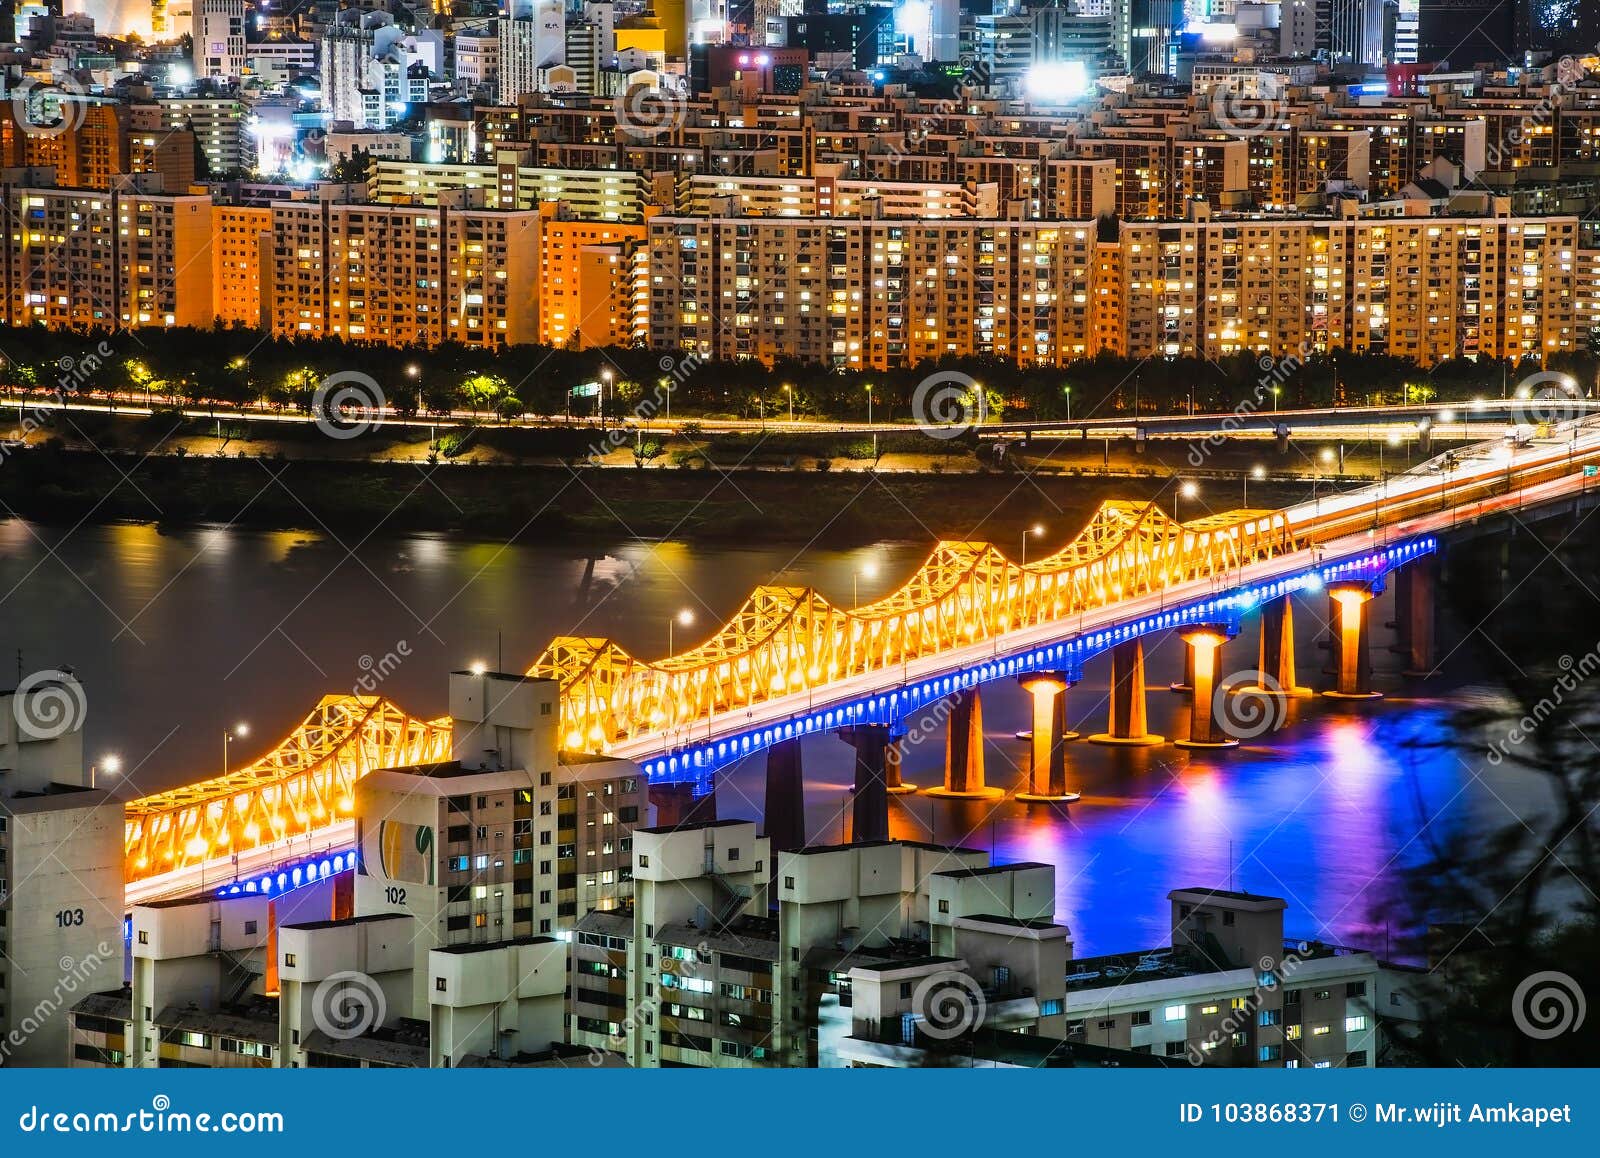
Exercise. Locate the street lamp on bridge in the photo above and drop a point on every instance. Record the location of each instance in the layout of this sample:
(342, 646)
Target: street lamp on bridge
(685, 617)
(1037, 531)
(1187, 490)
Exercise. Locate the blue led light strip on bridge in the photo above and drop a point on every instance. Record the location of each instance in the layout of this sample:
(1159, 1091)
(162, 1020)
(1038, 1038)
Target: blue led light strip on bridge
(696, 762)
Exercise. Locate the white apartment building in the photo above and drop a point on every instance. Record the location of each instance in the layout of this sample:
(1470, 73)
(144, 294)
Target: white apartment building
(60, 870)
(701, 974)
(1230, 991)
(218, 32)
(510, 839)
(533, 36)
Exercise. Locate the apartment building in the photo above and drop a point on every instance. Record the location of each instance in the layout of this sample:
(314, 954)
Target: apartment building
(875, 294)
(129, 256)
(241, 238)
(60, 871)
(510, 839)
(590, 274)
(1230, 991)
(702, 973)
(511, 183)
(395, 274)
(248, 982)
(104, 140)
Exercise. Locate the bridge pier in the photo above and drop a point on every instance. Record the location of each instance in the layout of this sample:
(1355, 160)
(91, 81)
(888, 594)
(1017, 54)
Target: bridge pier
(1414, 605)
(1204, 643)
(1128, 722)
(1186, 684)
(963, 752)
(1352, 641)
(677, 804)
(870, 810)
(1275, 662)
(784, 810)
(891, 767)
(1047, 766)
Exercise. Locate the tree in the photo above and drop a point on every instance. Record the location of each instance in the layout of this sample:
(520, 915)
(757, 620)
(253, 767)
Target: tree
(482, 390)
(645, 452)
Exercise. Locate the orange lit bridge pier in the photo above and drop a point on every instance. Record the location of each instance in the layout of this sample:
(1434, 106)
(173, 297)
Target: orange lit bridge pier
(790, 664)
(1046, 661)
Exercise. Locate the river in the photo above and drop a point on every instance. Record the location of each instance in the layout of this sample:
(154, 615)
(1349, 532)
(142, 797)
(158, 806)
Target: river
(178, 635)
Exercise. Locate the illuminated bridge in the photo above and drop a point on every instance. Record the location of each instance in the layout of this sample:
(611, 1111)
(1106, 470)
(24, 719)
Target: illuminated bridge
(790, 663)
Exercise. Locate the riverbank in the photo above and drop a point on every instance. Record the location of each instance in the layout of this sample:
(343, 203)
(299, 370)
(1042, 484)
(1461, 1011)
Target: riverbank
(55, 484)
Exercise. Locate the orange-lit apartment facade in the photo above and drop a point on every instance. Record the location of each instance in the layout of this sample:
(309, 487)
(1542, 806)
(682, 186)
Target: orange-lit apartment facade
(874, 294)
(403, 275)
(868, 292)
(122, 257)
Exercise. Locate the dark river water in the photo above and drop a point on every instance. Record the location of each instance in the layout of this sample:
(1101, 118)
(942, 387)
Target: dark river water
(178, 635)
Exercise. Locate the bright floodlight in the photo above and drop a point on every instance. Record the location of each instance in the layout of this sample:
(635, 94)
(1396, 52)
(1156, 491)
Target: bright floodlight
(686, 617)
(111, 764)
(870, 570)
(1258, 472)
(1447, 416)
(241, 729)
(1037, 529)
(1057, 81)
(479, 667)
(1189, 490)
(1327, 455)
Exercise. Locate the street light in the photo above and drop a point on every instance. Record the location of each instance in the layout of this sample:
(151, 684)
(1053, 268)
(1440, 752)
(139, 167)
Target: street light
(605, 388)
(1067, 390)
(1257, 472)
(1037, 530)
(685, 617)
(238, 732)
(1187, 490)
(869, 423)
(789, 390)
(1276, 390)
(110, 764)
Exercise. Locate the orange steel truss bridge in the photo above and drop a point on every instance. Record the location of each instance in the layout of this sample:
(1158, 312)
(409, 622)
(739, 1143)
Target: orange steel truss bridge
(302, 788)
(790, 662)
(789, 639)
